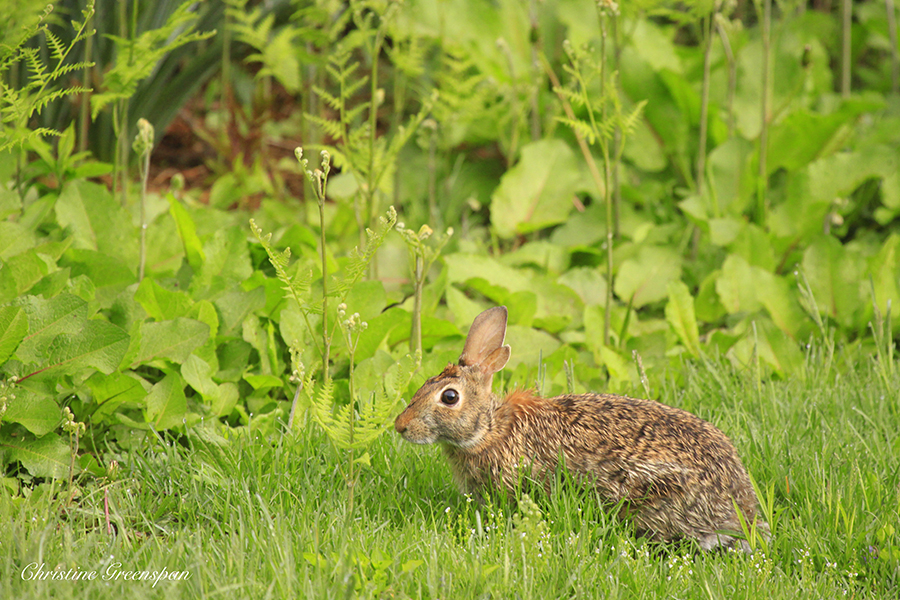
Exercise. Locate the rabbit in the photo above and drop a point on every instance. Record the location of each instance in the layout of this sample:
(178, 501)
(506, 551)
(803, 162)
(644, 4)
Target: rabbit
(673, 474)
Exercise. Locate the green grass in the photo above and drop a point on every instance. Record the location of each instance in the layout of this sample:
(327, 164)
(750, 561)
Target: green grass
(263, 516)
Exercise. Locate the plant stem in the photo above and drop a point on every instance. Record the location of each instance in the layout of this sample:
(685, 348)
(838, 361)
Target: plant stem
(351, 481)
(415, 336)
(846, 19)
(535, 52)
(604, 145)
(85, 108)
(704, 102)
(582, 144)
(145, 175)
(732, 75)
(326, 341)
(762, 174)
(892, 37)
(617, 133)
(371, 178)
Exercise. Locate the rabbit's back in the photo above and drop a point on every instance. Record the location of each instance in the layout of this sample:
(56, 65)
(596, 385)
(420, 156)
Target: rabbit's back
(676, 473)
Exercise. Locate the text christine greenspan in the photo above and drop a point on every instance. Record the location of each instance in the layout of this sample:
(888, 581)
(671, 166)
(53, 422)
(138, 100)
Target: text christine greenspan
(113, 572)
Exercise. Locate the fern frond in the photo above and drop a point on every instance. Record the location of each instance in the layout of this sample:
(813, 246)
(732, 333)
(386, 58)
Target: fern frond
(297, 288)
(358, 262)
(630, 121)
(332, 101)
(575, 98)
(349, 89)
(332, 129)
(351, 115)
(583, 129)
(57, 48)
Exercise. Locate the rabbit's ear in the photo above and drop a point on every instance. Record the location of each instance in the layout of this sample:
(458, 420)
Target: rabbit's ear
(486, 335)
(496, 360)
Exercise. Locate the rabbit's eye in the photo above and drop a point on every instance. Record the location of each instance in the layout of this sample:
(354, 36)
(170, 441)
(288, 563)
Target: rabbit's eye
(449, 397)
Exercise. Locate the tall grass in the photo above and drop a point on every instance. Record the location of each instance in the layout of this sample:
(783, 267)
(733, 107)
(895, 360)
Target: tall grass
(261, 515)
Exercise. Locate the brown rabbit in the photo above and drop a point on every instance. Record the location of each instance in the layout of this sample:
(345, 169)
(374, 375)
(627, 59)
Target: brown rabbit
(675, 474)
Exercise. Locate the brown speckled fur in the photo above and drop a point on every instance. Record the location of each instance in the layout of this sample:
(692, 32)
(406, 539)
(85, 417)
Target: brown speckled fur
(677, 473)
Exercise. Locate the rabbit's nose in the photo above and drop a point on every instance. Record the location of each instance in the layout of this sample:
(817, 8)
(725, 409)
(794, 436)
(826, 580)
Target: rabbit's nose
(400, 424)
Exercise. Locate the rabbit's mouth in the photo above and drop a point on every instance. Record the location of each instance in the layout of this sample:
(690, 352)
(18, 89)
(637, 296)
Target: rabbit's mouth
(418, 438)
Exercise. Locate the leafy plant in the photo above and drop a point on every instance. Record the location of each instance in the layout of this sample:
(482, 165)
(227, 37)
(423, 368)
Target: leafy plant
(18, 106)
(135, 60)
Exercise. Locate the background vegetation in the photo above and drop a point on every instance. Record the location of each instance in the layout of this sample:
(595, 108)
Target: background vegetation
(694, 202)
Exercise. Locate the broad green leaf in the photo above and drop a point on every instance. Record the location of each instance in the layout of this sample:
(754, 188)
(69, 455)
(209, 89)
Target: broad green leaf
(643, 279)
(884, 269)
(162, 304)
(753, 244)
(731, 177)
(112, 391)
(24, 270)
(779, 296)
(367, 298)
(723, 232)
(653, 44)
(166, 403)
(537, 192)
(768, 344)
(833, 272)
(97, 221)
(463, 308)
(8, 288)
(544, 255)
(13, 328)
(462, 267)
(588, 283)
(258, 382)
(65, 313)
(173, 340)
(38, 413)
(14, 239)
(254, 333)
(235, 306)
(379, 329)
(411, 565)
(736, 286)
(621, 371)
(220, 397)
(193, 249)
(804, 136)
(46, 456)
(198, 374)
(108, 273)
(528, 345)
(227, 258)
(99, 344)
(680, 315)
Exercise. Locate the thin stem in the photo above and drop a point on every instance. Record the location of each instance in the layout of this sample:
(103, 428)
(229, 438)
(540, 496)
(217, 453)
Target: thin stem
(617, 133)
(846, 20)
(351, 481)
(326, 341)
(892, 37)
(762, 173)
(567, 108)
(704, 102)
(85, 108)
(732, 75)
(535, 91)
(415, 337)
(432, 178)
(145, 176)
(604, 146)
